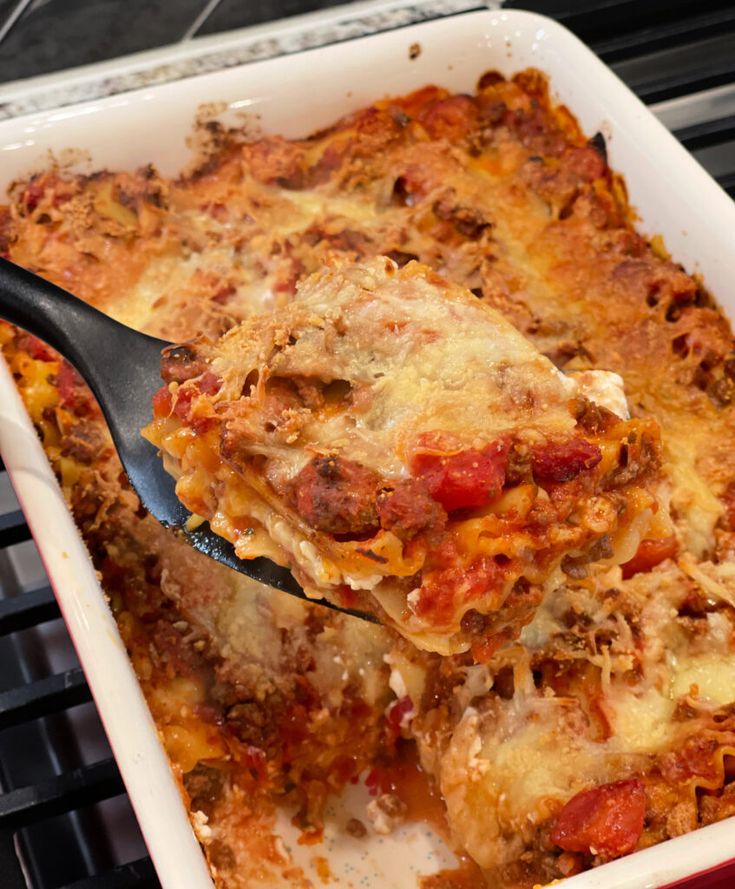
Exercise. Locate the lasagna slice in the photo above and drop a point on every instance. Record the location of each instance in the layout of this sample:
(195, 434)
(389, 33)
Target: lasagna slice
(397, 443)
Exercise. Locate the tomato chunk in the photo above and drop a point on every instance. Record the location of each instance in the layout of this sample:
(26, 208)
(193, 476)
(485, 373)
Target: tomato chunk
(563, 461)
(448, 588)
(398, 715)
(36, 348)
(209, 383)
(162, 402)
(255, 760)
(181, 363)
(607, 819)
(200, 425)
(649, 554)
(467, 480)
(182, 405)
(73, 393)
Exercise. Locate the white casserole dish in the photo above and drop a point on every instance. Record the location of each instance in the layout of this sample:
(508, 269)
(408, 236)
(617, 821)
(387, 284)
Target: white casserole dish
(294, 95)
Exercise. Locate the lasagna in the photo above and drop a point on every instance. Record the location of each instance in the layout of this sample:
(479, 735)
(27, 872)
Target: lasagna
(606, 724)
(393, 436)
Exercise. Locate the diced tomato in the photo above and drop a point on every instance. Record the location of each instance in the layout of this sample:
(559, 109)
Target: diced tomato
(73, 394)
(347, 596)
(209, 384)
(607, 819)
(649, 554)
(254, 759)
(202, 424)
(37, 349)
(467, 480)
(162, 402)
(447, 589)
(563, 461)
(182, 405)
(372, 782)
(696, 758)
(67, 381)
(395, 715)
(34, 192)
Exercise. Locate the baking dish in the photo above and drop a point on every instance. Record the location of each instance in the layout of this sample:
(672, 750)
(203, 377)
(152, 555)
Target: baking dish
(665, 184)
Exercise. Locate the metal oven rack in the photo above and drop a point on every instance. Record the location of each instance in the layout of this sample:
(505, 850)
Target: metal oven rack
(65, 822)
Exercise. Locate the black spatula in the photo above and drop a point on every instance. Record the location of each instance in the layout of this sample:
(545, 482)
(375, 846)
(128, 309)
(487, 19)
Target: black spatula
(122, 368)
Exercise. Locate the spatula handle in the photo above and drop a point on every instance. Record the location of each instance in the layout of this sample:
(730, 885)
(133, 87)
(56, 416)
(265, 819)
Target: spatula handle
(74, 328)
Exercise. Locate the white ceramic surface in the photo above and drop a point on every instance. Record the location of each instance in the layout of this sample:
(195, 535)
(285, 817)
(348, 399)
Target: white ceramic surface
(295, 95)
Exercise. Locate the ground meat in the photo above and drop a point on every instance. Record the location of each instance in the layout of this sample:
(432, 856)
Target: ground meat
(682, 818)
(715, 808)
(728, 499)
(572, 567)
(346, 239)
(83, 442)
(386, 812)
(473, 622)
(408, 509)
(355, 828)
(451, 117)
(204, 786)
(638, 454)
(518, 470)
(468, 221)
(562, 461)
(274, 160)
(337, 496)
(181, 363)
(593, 418)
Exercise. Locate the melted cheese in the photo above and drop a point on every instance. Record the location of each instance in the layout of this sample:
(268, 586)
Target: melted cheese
(709, 677)
(641, 722)
(386, 332)
(504, 772)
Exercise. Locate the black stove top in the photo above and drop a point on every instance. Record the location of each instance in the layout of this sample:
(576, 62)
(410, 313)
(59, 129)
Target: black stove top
(65, 822)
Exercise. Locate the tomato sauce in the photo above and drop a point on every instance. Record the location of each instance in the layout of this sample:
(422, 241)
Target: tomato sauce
(407, 780)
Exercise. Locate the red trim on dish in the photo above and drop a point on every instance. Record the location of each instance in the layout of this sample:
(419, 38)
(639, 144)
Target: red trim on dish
(719, 876)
